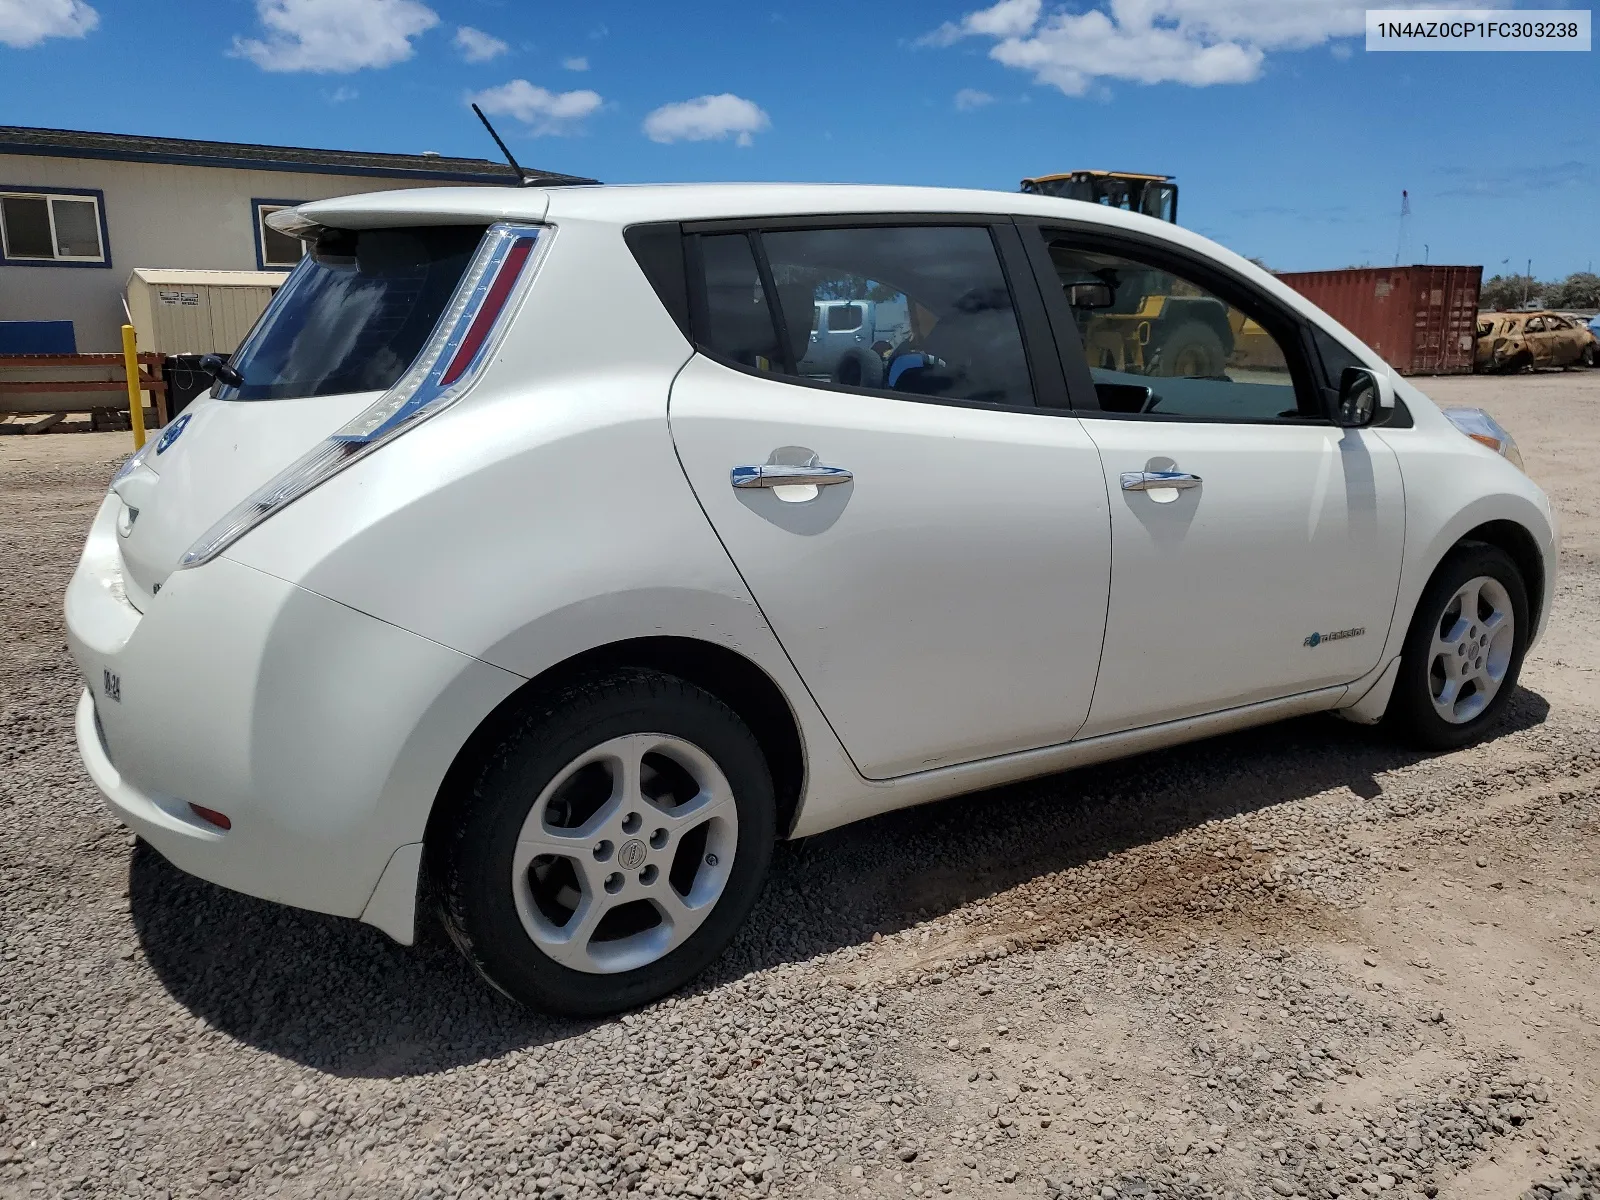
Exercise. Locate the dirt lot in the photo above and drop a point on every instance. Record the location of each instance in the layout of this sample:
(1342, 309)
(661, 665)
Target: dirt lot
(1301, 961)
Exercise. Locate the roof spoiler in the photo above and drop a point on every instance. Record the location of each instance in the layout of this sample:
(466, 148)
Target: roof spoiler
(289, 221)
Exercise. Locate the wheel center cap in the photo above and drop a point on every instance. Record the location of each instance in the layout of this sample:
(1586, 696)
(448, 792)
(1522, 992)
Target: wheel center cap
(632, 855)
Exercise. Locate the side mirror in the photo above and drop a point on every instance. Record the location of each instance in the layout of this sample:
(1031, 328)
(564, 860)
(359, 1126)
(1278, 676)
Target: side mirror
(214, 366)
(1091, 295)
(1363, 396)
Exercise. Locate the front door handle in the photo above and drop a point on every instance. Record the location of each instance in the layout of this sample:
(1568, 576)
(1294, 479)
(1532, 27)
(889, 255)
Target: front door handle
(770, 475)
(1154, 481)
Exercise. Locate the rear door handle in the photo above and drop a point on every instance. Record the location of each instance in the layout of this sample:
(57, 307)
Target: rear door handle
(1154, 481)
(770, 475)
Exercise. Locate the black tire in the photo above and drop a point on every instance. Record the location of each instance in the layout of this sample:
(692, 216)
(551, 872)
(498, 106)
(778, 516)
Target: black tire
(1194, 350)
(471, 866)
(1411, 711)
(860, 370)
(1587, 357)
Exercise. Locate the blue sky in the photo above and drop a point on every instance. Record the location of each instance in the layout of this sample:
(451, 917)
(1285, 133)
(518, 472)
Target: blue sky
(1290, 142)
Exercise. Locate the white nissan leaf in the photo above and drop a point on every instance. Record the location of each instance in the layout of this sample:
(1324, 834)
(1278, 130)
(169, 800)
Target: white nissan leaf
(516, 564)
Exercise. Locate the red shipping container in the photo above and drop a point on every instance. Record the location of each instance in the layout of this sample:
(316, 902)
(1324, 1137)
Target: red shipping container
(1423, 320)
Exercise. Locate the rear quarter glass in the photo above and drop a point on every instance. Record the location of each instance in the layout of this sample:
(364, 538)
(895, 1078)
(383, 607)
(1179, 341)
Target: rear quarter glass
(354, 314)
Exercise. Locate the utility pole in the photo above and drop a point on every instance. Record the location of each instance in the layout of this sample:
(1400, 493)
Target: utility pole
(1424, 253)
(1527, 283)
(1405, 212)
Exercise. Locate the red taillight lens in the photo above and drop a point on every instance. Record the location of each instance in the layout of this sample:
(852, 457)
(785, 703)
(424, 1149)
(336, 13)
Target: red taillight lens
(493, 302)
(212, 816)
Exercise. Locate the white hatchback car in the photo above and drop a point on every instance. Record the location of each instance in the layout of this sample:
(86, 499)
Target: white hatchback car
(513, 564)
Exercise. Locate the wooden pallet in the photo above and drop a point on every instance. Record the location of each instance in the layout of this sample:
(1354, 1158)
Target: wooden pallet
(78, 395)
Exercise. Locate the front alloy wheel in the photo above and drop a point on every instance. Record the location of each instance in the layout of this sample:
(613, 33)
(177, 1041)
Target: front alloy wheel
(1464, 649)
(1471, 650)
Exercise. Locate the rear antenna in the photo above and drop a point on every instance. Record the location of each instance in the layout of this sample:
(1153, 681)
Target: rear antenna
(504, 149)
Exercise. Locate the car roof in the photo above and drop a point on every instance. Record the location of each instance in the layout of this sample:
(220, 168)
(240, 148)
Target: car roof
(629, 204)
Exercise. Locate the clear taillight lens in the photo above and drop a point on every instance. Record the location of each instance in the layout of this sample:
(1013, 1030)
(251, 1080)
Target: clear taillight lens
(463, 342)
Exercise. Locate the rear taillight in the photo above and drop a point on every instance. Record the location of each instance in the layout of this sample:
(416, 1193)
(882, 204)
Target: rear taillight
(499, 291)
(461, 344)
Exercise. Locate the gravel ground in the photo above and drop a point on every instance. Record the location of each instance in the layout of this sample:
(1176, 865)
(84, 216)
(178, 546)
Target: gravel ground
(1300, 961)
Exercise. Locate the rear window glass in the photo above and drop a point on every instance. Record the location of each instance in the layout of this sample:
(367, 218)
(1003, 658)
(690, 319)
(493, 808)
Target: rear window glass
(354, 314)
(842, 318)
(738, 323)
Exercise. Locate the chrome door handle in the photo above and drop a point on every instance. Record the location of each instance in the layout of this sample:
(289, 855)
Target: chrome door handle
(770, 475)
(1154, 481)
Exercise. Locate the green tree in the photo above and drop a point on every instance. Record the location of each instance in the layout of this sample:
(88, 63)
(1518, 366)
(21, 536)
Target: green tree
(1503, 292)
(1581, 289)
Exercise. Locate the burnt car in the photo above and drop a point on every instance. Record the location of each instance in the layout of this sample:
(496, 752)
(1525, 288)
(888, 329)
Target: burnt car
(1514, 341)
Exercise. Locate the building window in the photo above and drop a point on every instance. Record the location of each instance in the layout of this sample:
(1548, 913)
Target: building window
(63, 227)
(273, 249)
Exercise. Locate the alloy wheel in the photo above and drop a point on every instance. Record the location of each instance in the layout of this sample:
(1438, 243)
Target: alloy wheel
(1471, 650)
(625, 853)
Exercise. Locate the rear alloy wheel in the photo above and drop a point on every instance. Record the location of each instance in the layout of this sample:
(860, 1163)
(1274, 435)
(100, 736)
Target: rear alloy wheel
(611, 845)
(1464, 650)
(625, 853)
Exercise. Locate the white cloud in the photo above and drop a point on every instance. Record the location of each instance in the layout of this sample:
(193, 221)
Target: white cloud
(543, 111)
(968, 99)
(1008, 18)
(477, 46)
(25, 23)
(340, 95)
(335, 35)
(706, 119)
(576, 63)
(1194, 42)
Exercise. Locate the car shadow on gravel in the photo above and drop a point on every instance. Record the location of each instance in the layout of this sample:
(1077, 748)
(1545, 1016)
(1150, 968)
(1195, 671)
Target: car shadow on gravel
(341, 997)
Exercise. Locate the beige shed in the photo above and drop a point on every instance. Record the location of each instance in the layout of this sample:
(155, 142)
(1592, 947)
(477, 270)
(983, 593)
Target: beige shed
(197, 312)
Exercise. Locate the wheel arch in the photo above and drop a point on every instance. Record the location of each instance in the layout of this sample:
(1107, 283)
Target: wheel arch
(1504, 533)
(734, 679)
(1523, 549)
(1368, 702)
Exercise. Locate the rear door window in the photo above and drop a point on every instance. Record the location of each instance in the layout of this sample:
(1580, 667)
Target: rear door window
(927, 308)
(354, 314)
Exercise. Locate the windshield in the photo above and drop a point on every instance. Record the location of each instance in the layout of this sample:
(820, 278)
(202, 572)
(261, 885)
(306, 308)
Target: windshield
(354, 314)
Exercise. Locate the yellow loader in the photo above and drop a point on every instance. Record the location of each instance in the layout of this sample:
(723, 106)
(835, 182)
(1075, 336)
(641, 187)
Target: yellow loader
(1197, 335)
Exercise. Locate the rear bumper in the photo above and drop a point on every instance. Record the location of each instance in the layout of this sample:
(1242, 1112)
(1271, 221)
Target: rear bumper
(322, 733)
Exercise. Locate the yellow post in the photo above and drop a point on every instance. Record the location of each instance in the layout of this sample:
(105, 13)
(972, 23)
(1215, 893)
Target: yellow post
(130, 364)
